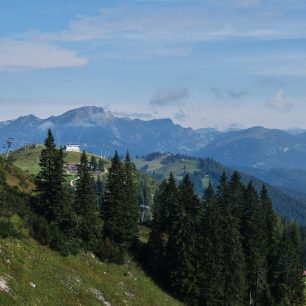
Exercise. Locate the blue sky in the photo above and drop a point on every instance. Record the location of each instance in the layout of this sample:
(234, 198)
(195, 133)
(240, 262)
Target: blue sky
(209, 63)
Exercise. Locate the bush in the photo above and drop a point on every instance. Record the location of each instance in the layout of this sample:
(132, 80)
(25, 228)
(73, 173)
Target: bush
(49, 234)
(7, 229)
(108, 250)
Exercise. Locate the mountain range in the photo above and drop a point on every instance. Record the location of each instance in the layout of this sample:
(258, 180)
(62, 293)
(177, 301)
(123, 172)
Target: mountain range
(276, 156)
(94, 126)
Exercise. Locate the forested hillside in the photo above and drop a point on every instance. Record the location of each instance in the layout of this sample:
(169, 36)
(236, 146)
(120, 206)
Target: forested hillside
(202, 171)
(85, 238)
(41, 264)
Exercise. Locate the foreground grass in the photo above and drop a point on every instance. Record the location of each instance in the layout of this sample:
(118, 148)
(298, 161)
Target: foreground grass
(31, 274)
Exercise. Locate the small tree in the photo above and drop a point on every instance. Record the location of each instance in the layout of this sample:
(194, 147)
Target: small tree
(93, 163)
(100, 166)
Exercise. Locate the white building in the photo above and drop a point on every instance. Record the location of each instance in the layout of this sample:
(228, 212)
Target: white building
(73, 148)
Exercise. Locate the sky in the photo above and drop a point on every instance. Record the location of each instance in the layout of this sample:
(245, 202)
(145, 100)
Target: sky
(209, 63)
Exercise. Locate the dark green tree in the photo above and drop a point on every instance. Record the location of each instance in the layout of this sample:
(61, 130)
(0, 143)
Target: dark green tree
(165, 203)
(86, 208)
(93, 163)
(236, 194)
(50, 182)
(254, 247)
(271, 238)
(130, 205)
(210, 244)
(100, 165)
(181, 251)
(234, 277)
(99, 187)
(288, 287)
(120, 208)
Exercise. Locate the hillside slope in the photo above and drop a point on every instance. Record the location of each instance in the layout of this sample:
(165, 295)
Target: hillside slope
(31, 274)
(202, 171)
(15, 177)
(27, 158)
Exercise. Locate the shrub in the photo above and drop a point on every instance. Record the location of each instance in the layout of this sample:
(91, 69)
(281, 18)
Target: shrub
(108, 250)
(7, 229)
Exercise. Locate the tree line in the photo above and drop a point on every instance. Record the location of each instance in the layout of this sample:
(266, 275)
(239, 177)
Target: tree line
(228, 248)
(103, 219)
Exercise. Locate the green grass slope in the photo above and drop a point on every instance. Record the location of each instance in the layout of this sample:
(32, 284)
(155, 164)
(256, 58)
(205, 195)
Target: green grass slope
(160, 166)
(15, 177)
(27, 158)
(31, 274)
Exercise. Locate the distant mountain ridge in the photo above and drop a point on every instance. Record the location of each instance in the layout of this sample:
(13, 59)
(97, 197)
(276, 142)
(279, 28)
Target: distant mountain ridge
(95, 126)
(257, 150)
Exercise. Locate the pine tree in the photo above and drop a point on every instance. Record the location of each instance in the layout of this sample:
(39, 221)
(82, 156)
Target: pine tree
(168, 204)
(234, 277)
(181, 249)
(254, 247)
(165, 202)
(93, 163)
(130, 209)
(50, 182)
(288, 287)
(271, 240)
(223, 190)
(236, 194)
(86, 206)
(210, 245)
(99, 187)
(100, 165)
(120, 208)
(155, 249)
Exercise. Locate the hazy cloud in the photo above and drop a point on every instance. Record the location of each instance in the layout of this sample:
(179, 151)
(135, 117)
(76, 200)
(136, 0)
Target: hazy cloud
(145, 116)
(180, 116)
(235, 95)
(22, 55)
(170, 96)
(279, 102)
(218, 94)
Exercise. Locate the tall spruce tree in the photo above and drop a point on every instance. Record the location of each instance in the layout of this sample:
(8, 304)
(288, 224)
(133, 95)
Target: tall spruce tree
(271, 240)
(181, 247)
(120, 208)
(254, 247)
(288, 287)
(86, 208)
(234, 278)
(168, 204)
(93, 163)
(130, 209)
(50, 182)
(100, 165)
(165, 203)
(210, 244)
(236, 194)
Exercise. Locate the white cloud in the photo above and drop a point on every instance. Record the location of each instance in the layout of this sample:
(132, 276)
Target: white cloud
(22, 55)
(279, 102)
(175, 25)
(170, 96)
